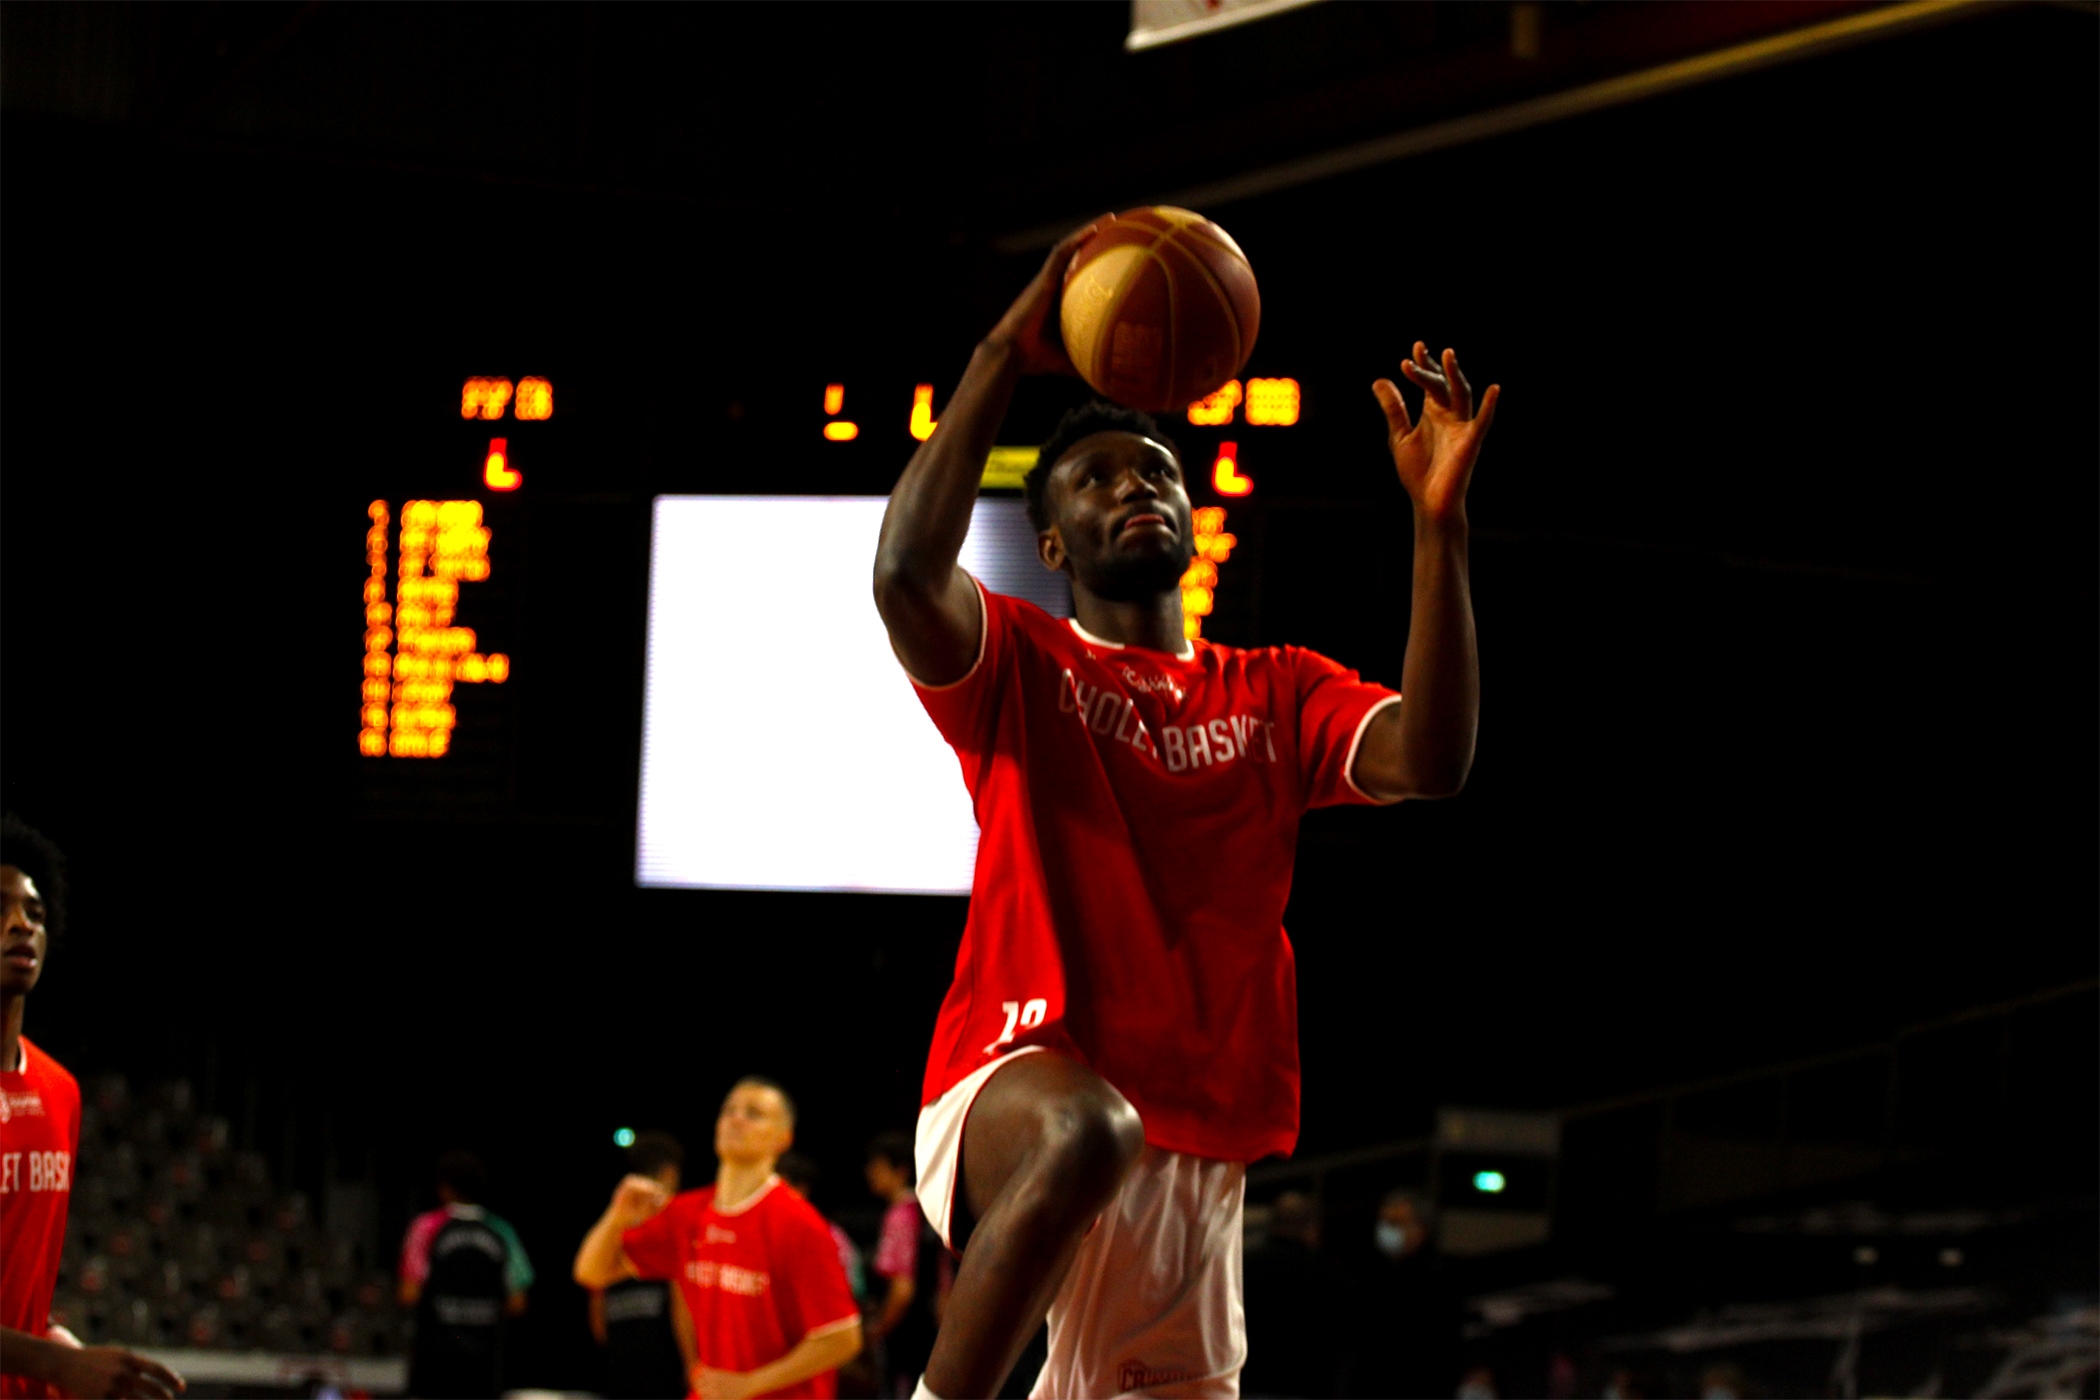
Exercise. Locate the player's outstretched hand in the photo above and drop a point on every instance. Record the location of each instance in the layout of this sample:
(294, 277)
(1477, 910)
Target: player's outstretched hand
(1030, 324)
(637, 1198)
(1435, 456)
(114, 1372)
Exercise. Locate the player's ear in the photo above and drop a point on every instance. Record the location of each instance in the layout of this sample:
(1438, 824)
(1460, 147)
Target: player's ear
(1050, 548)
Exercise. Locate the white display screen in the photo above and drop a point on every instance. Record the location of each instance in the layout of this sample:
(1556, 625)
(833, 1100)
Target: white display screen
(782, 746)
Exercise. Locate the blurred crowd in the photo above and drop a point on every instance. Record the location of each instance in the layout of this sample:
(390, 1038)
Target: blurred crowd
(177, 1239)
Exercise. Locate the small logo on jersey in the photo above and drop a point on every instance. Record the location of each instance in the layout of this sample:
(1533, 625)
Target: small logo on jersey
(1136, 1375)
(1153, 685)
(717, 1235)
(13, 1106)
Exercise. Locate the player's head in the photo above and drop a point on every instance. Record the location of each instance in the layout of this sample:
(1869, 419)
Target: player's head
(1403, 1224)
(659, 1155)
(462, 1180)
(32, 903)
(890, 1165)
(757, 1123)
(1108, 503)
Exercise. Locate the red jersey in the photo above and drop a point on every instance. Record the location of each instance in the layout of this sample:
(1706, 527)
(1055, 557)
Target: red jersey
(757, 1279)
(1138, 819)
(39, 1133)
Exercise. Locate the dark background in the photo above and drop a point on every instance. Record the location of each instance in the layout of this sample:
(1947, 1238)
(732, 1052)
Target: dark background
(1784, 560)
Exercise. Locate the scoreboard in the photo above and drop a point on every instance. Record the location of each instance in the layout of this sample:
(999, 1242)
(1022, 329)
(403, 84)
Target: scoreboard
(459, 610)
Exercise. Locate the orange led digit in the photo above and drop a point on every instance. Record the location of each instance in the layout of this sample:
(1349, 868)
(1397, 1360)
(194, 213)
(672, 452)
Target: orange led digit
(1272, 403)
(535, 400)
(484, 398)
(1225, 472)
(838, 430)
(496, 471)
(1214, 409)
(922, 420)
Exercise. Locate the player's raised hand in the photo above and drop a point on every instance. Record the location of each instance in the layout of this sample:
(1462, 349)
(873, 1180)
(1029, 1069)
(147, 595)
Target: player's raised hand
(1435, 456)
(637, 1198)
(1030, 324)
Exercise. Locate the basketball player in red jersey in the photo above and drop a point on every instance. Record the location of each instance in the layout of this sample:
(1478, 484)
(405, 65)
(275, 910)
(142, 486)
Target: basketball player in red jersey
(39, 1139)
(759, 1271)
(1121, 1037)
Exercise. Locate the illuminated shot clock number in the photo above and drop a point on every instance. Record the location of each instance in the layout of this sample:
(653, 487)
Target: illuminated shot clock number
(530, 400)
(414, 653)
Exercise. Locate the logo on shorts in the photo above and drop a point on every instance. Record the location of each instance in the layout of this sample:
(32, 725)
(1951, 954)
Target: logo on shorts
(1136, 1375)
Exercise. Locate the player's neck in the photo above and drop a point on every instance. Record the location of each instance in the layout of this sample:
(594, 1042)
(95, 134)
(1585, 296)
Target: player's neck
(738, 1182)
(11, 1010)
(1153, 623)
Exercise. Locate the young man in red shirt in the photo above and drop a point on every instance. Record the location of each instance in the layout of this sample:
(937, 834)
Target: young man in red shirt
(1120, 1039)
(757, 1267)
(39, 1139)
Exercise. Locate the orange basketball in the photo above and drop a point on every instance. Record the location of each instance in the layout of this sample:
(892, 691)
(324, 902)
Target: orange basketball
(1160, 308)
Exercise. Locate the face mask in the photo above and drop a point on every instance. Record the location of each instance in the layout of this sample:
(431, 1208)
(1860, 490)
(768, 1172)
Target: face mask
(1392, 1239)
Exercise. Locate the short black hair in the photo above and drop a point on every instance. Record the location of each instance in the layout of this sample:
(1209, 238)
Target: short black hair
(759, 1081)
(653, 1151)
(37, 856)
(463, 1172)
(1093, 416)
(895, 1148)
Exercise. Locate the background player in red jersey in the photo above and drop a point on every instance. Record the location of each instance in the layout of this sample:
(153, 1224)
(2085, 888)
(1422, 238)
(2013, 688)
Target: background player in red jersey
(39, 1139)
(772, 1312)
(1121, 1038)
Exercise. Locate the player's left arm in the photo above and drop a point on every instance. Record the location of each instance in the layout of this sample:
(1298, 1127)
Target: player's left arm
(1423, 746)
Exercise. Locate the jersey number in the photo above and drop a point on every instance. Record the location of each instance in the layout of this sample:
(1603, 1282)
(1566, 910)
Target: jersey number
(1019, 1016)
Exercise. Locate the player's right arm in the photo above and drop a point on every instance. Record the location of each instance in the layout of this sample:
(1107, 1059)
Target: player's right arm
(601, 1262)
(927, 603)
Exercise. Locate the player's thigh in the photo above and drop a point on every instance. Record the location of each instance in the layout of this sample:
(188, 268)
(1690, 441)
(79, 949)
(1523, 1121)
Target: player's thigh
(1047, 1117)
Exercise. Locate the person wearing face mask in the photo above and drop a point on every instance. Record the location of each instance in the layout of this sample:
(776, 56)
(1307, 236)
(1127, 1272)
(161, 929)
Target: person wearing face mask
(1408, 1326)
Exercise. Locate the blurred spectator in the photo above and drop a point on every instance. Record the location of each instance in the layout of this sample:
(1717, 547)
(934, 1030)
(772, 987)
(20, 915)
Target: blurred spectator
(40, 1120)
(642, 1323)
(1407, 1304)
(1289, 1347)
(907, 1258)
(463, 1270)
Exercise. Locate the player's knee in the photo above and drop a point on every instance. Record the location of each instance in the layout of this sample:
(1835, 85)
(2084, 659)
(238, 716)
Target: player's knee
(1094, 1139)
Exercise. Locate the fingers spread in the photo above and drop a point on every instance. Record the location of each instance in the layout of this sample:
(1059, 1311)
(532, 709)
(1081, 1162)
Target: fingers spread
(1486, 417)
(1388, 396)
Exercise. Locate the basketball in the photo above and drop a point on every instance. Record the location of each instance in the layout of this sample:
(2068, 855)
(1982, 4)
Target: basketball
(1160, 308)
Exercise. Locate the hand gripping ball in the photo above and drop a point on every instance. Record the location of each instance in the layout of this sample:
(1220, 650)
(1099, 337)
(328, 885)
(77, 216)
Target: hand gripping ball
(1160, 308)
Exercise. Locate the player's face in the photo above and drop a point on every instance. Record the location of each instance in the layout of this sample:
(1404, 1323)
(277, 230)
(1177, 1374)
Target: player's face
(1121, 516)
(22, 935)
(753, 1126)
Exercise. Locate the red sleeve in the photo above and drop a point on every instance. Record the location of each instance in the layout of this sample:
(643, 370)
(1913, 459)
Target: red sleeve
(652, 1246)
(966, 710)
(1334, 706)
(816, 1298)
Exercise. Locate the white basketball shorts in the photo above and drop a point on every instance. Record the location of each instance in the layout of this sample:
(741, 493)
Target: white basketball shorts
(1152, 1306)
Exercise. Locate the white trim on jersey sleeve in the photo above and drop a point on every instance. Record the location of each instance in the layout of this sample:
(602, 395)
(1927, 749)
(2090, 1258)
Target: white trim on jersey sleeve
(1349, 763)
(1187, 652)
(984, 632)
